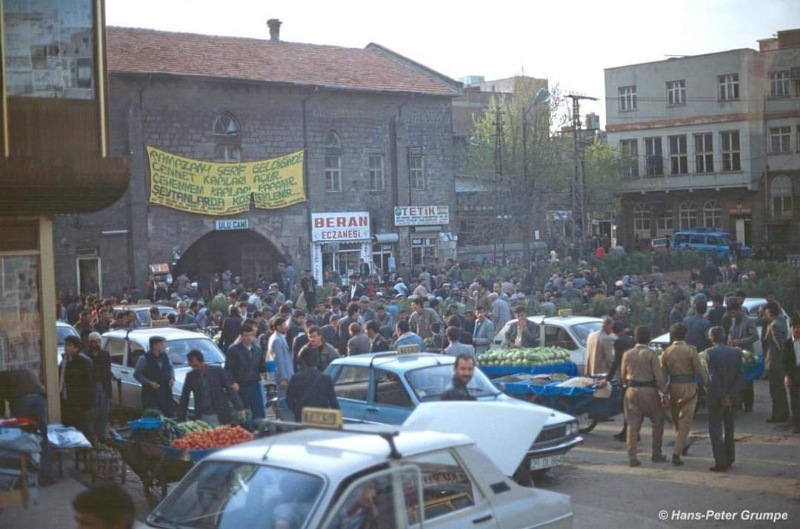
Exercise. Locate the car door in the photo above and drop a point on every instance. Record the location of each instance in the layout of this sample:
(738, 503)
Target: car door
(351, 383)
(131, 388)
(388, 399)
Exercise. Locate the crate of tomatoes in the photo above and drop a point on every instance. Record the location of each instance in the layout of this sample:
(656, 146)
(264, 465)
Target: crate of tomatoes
(196, 445)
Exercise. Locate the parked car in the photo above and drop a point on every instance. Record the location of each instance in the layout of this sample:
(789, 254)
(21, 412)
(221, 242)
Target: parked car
(386, 387)
(751, 307)
(708, 240)
(567, 332)
(659, 244)
(63, 329)
(369, 476)
(126, 346)
(142, 312)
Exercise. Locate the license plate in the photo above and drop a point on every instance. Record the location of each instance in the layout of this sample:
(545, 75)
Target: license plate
(547, 462)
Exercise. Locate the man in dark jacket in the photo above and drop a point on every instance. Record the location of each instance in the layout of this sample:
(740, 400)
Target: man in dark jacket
(377, 343)
(343, 328)
(101, 406)
(309, 387)
(773, 343)
(325, 351)
(155, 373)
(213, 390)
(463, 369)
(76, 387)
(725, 380)
(231, 327)
(622, 342)
(791, 368)
(519, 333)
(245, 362)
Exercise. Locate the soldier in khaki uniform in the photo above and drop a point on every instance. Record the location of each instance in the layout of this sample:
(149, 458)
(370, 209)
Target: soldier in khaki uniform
(642, 375)
(681, 362)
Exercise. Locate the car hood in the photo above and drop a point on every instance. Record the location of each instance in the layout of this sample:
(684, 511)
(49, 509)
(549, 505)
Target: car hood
(505, 443)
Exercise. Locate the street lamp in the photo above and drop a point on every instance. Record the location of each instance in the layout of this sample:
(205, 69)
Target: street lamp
(542, 95)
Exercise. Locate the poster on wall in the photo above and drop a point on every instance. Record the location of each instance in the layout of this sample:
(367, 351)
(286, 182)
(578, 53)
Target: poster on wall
(20, 319)
(210, 188)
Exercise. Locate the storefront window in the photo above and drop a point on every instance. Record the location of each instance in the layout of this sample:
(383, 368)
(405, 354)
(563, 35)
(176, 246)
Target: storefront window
(347, 258)
(423, 250)
(49, 48)
(380, 255)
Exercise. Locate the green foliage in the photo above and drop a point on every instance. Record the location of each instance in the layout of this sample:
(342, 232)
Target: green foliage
(219, 304)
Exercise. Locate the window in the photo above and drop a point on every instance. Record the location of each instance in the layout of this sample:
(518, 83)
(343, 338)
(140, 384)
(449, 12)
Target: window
(416, 171)
(731, 156)
(703, 153)
(712, 214)
(447, 487)
(352, 382)
(423, 250)
(665, 223)
(678, 158)
(390, 391)
(227, 143)
(728, 86)
(779, 84)
(333, 163)
(116, 349)
(630, 154)
(676, 93)
(654, 154)
(627, 98)
(781, 197)
(376, 173)
(687, 215)
(780, 140)
(641, 220)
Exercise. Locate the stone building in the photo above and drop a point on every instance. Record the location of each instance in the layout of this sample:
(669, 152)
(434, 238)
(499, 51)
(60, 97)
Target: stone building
(376, 129)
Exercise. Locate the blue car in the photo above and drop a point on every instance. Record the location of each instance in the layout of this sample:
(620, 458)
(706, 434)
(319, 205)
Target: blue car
(386, 387)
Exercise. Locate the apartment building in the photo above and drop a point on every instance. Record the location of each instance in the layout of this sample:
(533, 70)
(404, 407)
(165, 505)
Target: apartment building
(712, 141)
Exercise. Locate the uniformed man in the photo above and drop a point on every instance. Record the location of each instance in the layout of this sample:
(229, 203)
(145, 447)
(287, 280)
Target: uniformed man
(681, 363)
(644, 379)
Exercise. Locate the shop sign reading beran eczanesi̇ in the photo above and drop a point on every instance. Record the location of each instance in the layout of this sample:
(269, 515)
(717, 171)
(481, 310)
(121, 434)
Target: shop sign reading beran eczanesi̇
(421, 215)
(340, 226)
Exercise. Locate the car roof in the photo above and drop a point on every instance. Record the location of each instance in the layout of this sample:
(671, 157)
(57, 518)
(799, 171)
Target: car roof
(170, 333)
(60, 323)
(567, 321)
(337, 453)
(396, 362)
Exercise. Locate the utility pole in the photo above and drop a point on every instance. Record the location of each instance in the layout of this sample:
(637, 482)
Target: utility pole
(498, 168)
(579, 182)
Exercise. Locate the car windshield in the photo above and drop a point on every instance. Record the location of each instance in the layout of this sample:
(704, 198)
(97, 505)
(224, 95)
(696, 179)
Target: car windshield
(178, 349)
(225, 495)
(428, 383)
(583, 330)
(65, 330)
(143, 315)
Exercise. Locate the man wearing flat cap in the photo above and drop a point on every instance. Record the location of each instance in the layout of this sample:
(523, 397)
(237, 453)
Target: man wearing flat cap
(155, 373)
(101, 380)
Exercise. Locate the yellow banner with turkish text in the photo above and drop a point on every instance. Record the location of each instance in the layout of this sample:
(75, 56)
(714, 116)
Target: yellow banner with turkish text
(211, 188)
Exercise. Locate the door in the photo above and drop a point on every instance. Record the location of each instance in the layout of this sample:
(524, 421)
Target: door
(89, 276)
(389, 401)
(350, 383)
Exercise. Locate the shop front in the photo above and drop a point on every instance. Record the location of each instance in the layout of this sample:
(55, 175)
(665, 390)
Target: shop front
(427, 230)
(339, 240)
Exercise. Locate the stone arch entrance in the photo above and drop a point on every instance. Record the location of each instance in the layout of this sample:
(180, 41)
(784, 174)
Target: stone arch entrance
(244, 252)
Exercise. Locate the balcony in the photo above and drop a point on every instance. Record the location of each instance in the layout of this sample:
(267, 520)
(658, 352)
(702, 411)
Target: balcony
(668, 183)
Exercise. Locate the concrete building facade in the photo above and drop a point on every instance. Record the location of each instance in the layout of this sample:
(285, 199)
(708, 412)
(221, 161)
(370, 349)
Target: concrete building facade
(707, 136)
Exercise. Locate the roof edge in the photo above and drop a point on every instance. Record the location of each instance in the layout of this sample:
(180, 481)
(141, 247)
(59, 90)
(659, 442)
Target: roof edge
(456, 86)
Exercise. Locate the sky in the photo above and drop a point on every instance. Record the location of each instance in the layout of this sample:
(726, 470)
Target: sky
(569, 44)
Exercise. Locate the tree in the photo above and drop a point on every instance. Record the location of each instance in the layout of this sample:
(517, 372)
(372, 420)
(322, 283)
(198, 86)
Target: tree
(512, 151)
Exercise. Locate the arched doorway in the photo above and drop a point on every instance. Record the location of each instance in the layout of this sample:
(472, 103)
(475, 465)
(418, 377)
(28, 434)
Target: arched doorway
(244, 252)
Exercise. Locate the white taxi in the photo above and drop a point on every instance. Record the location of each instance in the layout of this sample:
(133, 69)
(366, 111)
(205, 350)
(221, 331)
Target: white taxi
(372, 476)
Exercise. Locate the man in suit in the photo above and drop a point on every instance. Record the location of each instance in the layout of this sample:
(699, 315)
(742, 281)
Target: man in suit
(309, 387)
(343, 328)
(354, 290)
(358, 343)
(213, 389)
(791, 367)
(77, 387)
(519, 333)
(725, 379)
(245, 363)
(457, 348)
(377, 343)
(742, 333)
(484, 330)
(774, 339)
(231, 327)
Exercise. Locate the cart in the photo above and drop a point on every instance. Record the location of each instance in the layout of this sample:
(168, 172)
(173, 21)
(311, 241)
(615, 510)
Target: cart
(589, 405)
(156, 465)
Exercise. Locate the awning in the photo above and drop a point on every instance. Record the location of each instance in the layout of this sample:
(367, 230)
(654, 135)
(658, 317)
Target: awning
(386, 238)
